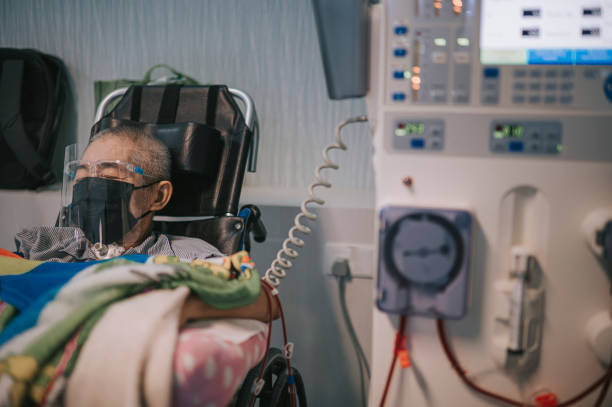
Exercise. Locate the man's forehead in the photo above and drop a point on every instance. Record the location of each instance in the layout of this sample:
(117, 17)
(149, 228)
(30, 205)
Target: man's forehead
(108, 149)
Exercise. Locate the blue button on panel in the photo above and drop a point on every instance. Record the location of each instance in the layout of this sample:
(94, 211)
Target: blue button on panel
(401, 30)
(491, 72)
(417, 143)
(549, 56)
(399, 96)
(400, 52)
(398, 74)
(516, 146)
(593, 56)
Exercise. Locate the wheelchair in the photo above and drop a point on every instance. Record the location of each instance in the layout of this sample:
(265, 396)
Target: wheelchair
(211, 142)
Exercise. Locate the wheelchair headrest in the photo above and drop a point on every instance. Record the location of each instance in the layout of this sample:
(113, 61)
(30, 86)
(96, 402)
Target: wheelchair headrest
(208, 140)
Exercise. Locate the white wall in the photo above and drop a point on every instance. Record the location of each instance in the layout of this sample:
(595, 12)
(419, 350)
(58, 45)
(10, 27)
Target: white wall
(268, 48)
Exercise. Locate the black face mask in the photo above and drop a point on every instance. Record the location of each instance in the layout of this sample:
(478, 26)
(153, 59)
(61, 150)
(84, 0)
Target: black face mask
(101, 208)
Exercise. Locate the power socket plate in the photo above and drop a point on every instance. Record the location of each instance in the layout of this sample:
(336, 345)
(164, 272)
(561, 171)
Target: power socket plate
(359, 256)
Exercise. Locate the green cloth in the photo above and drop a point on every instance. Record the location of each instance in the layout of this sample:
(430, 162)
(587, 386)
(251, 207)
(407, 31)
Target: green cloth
(13, 266)
(7, 314)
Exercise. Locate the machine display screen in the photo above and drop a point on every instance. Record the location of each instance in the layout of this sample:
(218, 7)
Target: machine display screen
(509, 131)
(546, 32)
(410, 129)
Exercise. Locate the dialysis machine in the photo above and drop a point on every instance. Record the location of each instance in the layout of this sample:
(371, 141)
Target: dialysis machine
(492, 125)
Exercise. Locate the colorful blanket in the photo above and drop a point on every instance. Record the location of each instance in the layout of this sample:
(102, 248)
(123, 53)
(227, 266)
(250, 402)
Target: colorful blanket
(28, 285)
(66, 312)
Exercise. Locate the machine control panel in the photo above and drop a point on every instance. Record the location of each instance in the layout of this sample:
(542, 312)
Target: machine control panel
(452, 53)
(418, 134)
(499, 134)
(424, 54)
(526, 137)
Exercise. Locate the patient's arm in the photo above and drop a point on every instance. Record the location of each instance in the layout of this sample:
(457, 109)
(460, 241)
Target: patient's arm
(194, 308)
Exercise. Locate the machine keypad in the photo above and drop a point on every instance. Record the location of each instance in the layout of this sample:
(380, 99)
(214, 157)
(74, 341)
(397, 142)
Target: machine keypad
(417, 134)
(526, 138)
(550, 86)
(534, 99)
(550, 99)
(519, 86)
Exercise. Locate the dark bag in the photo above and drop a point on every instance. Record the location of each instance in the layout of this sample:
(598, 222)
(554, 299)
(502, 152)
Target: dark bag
(33, 89)
(104, 87)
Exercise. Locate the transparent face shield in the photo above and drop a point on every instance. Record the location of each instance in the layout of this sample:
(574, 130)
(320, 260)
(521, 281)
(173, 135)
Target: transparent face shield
(101, 201)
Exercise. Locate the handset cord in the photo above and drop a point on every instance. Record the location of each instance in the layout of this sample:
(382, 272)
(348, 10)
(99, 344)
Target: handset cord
(282, 263)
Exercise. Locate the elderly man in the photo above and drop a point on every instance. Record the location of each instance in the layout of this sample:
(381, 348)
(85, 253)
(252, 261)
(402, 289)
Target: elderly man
(120, 182)
(110, 198)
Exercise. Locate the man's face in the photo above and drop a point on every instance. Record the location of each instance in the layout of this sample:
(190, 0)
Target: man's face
(109, 150)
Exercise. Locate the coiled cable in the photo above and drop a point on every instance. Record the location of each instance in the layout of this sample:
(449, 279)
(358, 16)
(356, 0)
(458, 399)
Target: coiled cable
(282, 263)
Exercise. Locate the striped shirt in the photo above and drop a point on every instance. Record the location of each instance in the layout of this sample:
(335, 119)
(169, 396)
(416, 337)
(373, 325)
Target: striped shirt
(68, 244)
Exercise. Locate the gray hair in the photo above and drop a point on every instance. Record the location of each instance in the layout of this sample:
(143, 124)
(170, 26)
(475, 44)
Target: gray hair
(149, 153)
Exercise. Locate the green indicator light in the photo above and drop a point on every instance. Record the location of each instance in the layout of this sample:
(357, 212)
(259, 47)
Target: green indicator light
(415, 128)
(498, 135)
(407, 74)
(559, 148)
(440, 42)
(518, 131)
(400, 132)
(463, 42)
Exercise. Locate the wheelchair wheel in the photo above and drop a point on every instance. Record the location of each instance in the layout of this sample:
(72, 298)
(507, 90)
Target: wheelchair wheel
(275, 391)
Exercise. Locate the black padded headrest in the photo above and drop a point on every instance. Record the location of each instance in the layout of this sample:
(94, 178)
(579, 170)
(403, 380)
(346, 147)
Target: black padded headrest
(205, 132)
(195, 148)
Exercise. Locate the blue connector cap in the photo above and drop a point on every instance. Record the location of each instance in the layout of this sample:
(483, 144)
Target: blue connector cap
(399, 96)
(401, 30)
(417, 143)
(516, 146)
(400, 52)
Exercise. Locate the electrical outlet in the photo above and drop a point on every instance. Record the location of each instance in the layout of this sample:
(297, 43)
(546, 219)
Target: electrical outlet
(360, 257)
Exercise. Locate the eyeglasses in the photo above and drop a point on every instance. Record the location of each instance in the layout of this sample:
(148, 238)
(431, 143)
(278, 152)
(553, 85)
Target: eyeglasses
(111, 169)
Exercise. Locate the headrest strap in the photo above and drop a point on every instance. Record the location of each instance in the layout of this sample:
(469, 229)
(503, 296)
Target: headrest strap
(211, 105)
(169, 104)
(136, 99)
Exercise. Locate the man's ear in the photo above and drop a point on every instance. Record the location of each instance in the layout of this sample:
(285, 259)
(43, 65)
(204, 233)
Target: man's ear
(163, 195)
